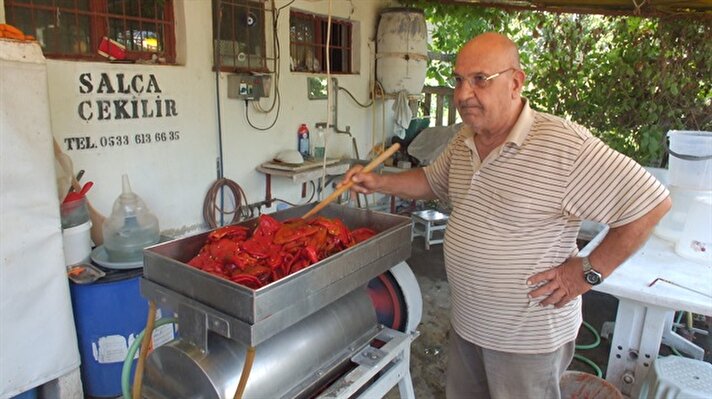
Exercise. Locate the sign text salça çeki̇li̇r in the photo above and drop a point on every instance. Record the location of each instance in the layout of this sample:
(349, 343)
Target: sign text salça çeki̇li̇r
(122, 107)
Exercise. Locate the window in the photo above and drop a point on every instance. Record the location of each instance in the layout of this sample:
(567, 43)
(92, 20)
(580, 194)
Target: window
(307, 43)
(74, 29)
(239, 34)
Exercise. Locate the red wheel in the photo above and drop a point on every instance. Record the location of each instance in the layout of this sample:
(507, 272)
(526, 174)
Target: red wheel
(388, 301)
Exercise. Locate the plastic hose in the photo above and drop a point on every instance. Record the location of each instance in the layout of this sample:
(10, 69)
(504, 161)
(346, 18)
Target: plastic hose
(597, 338)
(596, 342)
(126, 369)
(145, 346)
(246, 368)
(590, 363)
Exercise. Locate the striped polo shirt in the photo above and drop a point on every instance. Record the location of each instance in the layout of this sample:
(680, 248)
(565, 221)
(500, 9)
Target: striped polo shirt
(518, 213)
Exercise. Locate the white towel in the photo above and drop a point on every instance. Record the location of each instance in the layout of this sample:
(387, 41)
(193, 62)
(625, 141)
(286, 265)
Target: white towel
(401, 114)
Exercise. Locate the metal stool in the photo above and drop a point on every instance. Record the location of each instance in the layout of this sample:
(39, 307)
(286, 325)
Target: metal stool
(678, 377)
(427, 222)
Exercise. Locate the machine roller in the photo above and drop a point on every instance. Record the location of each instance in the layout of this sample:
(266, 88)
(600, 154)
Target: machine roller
(340, 328)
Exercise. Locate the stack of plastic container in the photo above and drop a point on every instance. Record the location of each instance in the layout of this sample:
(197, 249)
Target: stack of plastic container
(689, 223)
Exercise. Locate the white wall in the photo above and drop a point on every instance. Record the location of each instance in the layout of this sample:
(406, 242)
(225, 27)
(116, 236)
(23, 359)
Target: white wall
(173, 176)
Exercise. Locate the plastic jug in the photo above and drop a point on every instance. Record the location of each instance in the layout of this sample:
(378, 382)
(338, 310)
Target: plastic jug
(130, 228)
(695, 241)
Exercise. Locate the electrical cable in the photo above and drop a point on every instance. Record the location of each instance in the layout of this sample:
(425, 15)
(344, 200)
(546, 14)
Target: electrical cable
(210, 207)
(247, 117)
(311, 197)
(277, 65)
(355, 100)
(276, 48)
(285, 6)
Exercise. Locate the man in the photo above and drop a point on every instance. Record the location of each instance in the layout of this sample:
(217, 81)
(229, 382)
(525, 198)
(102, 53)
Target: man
(520, 182)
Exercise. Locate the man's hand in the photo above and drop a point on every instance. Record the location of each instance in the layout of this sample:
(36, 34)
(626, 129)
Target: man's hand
(364, 183)
(560, 284)
(410, 184)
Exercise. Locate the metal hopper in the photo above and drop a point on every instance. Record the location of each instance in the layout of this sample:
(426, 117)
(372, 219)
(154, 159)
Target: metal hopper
(208, 302)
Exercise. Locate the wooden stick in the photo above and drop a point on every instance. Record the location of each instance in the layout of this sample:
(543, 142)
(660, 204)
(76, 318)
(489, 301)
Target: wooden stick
(371, 165)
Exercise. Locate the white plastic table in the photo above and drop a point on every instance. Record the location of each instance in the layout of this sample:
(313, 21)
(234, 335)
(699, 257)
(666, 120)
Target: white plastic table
(650, 286)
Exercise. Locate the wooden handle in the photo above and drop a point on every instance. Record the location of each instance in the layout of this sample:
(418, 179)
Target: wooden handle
(371, 165)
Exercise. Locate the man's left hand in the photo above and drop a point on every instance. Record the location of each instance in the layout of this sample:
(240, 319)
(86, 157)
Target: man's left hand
(560, 284)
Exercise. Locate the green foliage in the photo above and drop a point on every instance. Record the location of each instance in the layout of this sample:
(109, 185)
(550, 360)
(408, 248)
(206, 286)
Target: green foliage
(628, 79)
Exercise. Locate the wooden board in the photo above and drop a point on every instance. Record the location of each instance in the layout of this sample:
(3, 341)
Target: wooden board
(308, 164)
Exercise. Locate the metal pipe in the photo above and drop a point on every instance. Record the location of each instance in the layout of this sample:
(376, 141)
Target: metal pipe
(335, 85)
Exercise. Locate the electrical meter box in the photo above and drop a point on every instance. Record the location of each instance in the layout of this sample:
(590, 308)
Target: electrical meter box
(248, 87)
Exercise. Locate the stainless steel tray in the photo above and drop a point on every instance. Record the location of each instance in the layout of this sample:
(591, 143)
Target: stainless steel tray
(270, 309)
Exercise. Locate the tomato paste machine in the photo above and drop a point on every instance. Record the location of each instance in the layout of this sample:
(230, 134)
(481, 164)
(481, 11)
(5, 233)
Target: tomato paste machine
(340, 328)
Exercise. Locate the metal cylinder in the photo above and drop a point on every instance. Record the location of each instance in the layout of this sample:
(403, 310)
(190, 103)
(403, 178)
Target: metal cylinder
(293, 363)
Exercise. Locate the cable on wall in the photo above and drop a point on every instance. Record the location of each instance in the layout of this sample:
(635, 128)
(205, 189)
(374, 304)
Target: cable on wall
(277, 65)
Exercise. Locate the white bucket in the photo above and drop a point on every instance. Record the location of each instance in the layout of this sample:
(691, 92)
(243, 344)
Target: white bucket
(77, 244)
(690, 159)
(672, 224)
(695, 241)
(402, 50)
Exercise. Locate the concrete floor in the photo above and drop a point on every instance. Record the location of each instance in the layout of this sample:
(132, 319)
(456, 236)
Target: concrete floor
(429, 350)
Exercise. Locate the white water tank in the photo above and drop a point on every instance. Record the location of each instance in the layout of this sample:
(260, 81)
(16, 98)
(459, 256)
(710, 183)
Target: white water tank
(402, 50)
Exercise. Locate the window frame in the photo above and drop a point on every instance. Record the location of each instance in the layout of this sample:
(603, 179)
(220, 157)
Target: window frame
(318, 44)
(98, 15)
(218, 57)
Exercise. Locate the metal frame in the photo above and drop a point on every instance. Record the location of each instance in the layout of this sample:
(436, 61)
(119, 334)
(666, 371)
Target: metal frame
(393, 357)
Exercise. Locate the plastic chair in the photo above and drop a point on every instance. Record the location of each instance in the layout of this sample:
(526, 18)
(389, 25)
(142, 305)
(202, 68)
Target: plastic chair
(675, 377)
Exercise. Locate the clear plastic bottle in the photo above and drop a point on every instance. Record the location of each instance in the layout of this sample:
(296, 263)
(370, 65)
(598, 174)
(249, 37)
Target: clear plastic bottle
(130, 228)
(319, 143)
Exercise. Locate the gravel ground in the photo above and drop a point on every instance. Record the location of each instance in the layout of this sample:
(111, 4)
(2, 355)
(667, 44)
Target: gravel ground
(428, 358)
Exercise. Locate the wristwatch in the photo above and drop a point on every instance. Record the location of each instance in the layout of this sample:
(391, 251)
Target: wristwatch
(590, 274)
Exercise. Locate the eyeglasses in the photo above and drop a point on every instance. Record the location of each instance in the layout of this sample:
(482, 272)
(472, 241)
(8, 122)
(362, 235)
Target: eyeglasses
(479, 80)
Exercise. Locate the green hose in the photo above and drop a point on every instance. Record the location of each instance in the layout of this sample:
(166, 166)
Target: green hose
(128, 361)
(596, 342)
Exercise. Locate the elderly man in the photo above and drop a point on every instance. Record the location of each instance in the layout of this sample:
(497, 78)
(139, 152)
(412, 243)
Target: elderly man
(520, 183)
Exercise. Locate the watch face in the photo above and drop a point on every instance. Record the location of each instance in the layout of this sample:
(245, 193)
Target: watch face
(593, 278)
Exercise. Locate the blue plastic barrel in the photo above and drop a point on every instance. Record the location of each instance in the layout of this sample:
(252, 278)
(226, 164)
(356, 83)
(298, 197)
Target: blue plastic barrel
(108, 314)
(30, 394)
